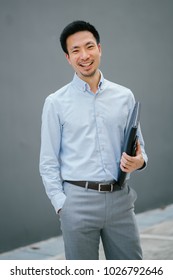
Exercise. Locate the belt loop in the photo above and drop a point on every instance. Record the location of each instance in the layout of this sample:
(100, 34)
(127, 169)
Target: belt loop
(86, 185)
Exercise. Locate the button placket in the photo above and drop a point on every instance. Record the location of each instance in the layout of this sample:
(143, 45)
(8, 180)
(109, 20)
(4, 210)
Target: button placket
(100, 132)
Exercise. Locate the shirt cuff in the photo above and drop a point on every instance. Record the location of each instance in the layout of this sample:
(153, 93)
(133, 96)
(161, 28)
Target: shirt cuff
(58, 201)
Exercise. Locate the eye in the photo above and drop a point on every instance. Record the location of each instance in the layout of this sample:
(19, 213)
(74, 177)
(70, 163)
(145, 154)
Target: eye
(90, 47)
(75, 51)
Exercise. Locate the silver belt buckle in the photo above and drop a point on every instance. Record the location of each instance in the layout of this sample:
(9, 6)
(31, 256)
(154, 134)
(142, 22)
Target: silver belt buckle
(86, 185)
(100, 184)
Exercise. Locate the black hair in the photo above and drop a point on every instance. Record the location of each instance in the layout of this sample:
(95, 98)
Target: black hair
(77, 26)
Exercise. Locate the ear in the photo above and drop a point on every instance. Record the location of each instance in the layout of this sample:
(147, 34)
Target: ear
(68, 58)
(100, 49)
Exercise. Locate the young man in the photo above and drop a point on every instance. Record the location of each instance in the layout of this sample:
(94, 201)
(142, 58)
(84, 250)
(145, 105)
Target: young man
(83, 127)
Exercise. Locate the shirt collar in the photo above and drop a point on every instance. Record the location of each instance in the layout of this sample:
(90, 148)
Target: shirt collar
(82, 85)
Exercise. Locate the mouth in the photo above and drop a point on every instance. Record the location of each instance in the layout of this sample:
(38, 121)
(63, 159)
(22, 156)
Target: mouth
(85, 64)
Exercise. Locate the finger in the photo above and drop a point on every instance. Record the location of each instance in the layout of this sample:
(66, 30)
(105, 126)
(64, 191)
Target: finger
(125, 168)
(138, 148)
(125, 163)
(127, 157)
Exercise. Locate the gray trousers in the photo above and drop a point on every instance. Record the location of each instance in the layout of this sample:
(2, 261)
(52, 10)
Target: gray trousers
(88, 215)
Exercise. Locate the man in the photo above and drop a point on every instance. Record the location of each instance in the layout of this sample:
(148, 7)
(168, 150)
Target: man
(83, 127)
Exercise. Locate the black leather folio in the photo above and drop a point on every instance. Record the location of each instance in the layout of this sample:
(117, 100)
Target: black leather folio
(130, 138)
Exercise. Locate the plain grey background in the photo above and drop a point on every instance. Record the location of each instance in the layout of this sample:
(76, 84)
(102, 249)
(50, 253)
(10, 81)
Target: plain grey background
(137, 40)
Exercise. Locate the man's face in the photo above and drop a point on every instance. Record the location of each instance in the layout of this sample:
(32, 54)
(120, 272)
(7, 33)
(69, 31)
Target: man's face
(83, 54)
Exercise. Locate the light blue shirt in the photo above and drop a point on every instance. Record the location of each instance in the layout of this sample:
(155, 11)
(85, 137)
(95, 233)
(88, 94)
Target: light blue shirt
(82, 134)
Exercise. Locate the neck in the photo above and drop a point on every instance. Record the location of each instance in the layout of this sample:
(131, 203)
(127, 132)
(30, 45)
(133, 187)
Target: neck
(93, 81)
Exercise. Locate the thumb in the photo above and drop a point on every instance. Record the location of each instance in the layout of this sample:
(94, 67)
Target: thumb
(138, 148)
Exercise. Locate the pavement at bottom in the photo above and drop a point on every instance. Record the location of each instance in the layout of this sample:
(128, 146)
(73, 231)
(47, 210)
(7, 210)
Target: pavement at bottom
(156, 232)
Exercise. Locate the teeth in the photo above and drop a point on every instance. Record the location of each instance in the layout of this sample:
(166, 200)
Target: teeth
(85, 64)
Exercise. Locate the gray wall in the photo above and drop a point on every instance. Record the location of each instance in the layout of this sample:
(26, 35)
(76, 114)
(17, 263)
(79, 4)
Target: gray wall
(137, 45)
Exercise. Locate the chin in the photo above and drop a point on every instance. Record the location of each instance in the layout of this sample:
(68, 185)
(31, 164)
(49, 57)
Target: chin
(89, 74)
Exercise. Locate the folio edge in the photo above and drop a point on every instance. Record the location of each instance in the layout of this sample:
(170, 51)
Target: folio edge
(130, 138)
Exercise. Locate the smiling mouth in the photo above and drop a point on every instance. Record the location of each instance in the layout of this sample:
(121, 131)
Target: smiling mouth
(86, 64)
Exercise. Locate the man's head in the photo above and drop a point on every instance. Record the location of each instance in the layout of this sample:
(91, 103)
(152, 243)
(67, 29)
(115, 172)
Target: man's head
(74, 27)
(81, 44)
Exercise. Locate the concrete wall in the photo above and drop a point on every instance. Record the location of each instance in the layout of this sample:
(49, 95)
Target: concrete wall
(137, 41)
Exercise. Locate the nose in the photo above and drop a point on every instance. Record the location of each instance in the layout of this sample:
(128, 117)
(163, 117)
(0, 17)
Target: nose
(84, 54)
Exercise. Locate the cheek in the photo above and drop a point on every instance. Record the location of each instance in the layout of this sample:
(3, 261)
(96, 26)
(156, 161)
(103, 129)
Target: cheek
(73, 61)
(70, 59)
(74, 65)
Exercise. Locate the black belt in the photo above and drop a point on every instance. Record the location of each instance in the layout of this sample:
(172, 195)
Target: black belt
(101, 187)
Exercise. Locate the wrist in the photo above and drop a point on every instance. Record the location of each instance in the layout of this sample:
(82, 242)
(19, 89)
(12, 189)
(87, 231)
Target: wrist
(142, 165)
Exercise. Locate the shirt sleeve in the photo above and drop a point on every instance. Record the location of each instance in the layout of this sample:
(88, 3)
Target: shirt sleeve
(49, 154)
(139, 134)
(142, 144)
